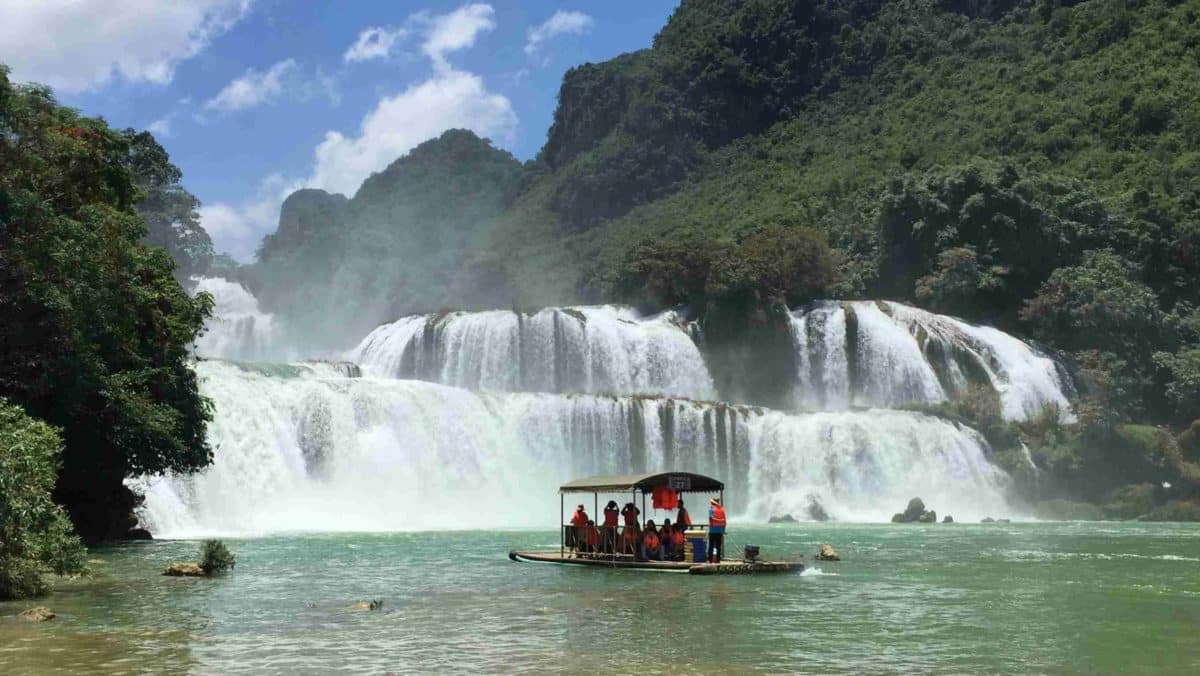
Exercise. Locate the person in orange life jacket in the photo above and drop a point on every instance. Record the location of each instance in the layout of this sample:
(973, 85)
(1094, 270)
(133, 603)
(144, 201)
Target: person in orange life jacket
(611, 516)
(664, 536)
(630, 512)
(683, 518)
(716, 530)
(580, 521)
(593, 537)
(677, 541)
(651, 543)
(629, 541)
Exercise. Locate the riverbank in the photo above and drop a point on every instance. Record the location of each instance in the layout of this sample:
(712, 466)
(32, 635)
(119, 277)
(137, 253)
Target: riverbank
(1022, 597)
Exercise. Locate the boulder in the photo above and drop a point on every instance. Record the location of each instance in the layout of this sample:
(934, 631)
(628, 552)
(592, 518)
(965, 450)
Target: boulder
(368, 605)
(786, 518)
(138, 534)
(899, 518)
(1003, 521)
(928, 517)
(184, 570)
(37, 614)
(914, 510)
(827, 554)
(947, 519)
(987, 519)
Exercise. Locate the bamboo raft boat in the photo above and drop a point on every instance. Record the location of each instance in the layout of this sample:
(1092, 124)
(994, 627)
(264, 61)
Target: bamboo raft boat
(680, 482)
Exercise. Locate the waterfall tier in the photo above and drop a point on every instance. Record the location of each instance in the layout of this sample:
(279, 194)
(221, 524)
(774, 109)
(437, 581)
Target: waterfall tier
(238, 329)
(885, 354)
(585, 349)
(299, 451)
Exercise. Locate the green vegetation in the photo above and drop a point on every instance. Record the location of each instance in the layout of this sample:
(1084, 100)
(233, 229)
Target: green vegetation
(35, 534)
(96, 329)
(215, 557)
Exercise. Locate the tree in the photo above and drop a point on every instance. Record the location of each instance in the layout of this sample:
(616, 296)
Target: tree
(96, 329)
(170, 211)
(35, 533)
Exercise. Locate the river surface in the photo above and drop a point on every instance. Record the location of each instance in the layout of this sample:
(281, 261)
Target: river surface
(1019, 598)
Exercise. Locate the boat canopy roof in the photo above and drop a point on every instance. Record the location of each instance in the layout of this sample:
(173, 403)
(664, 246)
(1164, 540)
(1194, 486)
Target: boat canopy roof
(684, 482)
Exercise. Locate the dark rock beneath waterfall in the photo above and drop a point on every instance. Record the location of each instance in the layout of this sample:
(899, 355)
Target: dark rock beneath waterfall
(1003, 521)
(816, 512)
(138, 534)
(826, 553)
(786, 518)
(987, 519)
(37, 614)
(915, 512)
(947, 519)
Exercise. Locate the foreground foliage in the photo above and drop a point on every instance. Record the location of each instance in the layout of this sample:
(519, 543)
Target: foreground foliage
(96, 329)
(35, 534)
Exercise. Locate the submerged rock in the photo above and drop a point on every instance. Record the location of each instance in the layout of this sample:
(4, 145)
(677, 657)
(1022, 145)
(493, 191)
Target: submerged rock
(786, 518)
(37, 614)
(184, 570)
(947, 519)
(827, 553)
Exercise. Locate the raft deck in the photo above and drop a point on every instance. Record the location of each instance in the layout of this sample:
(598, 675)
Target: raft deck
(726, 567)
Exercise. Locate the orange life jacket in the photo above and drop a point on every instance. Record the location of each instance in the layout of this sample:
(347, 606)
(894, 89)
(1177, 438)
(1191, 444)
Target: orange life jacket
(677, 538)
(717, 518)
(684, 519)
(593, 537)
(652, 541)
(610, 517)
(579, 518)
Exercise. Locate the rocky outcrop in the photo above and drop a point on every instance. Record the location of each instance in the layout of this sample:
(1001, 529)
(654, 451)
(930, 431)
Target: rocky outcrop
(184, 570)
(948, 519)
(786, 518)
(138, 534)
(987, 519)
(816, 512)
(915, 512)
(37, 614)
(827, 553)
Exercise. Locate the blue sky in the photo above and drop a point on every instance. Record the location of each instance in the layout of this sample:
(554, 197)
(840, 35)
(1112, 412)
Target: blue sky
(255, 98)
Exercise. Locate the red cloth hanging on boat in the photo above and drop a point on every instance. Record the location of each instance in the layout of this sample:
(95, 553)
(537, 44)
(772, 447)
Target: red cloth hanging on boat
(665, 497)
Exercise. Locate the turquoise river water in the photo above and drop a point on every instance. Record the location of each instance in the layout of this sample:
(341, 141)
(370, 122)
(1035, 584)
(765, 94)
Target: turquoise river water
(1019, 598)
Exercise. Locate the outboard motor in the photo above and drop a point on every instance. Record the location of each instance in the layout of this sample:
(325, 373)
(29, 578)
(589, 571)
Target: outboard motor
(751, 553)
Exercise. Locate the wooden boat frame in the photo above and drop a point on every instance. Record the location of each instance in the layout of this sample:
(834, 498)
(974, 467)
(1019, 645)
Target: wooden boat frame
(682, 482)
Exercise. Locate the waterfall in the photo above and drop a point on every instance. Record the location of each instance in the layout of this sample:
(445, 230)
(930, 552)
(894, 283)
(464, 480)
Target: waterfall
(608, 349)
(300, 447)
(885, 354)
(238, 329)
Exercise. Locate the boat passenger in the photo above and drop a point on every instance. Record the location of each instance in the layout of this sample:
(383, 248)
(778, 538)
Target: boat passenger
(611, 515)
(579, 533)
(630, 512)
(677, 541)
(651, 543)
(629, 541)
(593, 537)
(664, 536)
(683, 518)
(716, 530)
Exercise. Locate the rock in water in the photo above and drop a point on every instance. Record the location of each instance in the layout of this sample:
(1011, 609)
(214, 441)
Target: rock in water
(827, 554)
(786, 518)
(899, 518)
(916, 508)
(184, 570)
(948, 519)
(817, 512)
(987, 519)
(368, 605)
(928, 517)
(37, 614)
(138, 534)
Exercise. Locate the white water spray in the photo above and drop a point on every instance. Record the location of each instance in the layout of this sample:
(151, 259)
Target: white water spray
(238, 329)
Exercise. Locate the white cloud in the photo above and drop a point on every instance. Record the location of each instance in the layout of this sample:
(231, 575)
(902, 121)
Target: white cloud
(457, 30)
(448, 99)
(375, 42)
(160, 127)
(238, 229)
(451, 99)
(82, 45)
(563, 22)
(252, 89)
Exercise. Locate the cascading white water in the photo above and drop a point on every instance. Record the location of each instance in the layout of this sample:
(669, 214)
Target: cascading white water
(299, 448)
(866, 353)
(582, 349)
(238, 329)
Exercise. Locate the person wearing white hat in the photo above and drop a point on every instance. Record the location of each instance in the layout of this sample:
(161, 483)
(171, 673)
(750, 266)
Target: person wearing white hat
(716, 530)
